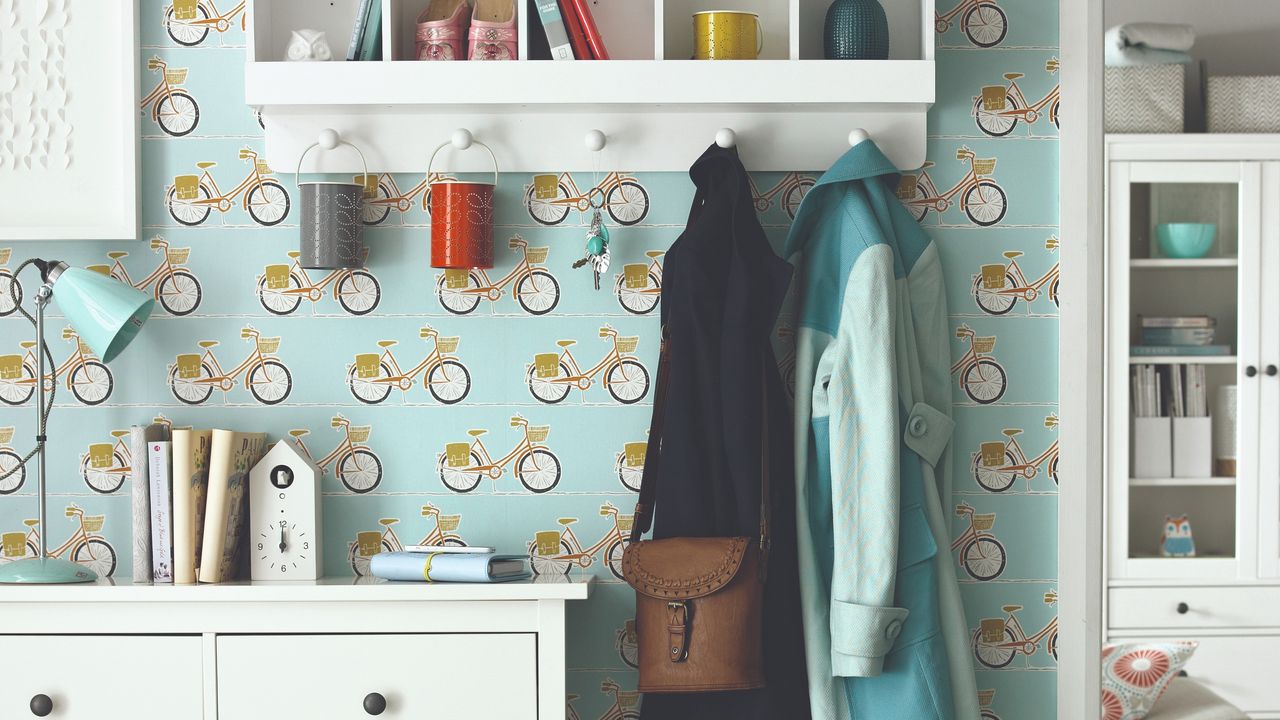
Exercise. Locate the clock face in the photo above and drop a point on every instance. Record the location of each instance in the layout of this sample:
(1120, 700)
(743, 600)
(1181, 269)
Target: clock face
(283, 548)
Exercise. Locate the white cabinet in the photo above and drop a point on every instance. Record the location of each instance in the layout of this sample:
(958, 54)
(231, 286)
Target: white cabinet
(99, 676)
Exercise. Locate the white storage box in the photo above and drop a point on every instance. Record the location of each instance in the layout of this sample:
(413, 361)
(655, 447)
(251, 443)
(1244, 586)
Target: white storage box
(1152, 452)
(1192, 447)
(1144, 99)
(1247, 104)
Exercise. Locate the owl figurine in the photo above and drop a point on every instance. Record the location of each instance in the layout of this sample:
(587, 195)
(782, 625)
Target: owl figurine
(307, 46)
(1176, 540)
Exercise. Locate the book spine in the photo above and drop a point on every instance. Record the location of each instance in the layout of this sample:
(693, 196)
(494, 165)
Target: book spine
(201, 441)
(357, 31)
(184, 554)
(553, 25)
(1160, 350)
(594, 39)
(140, 492)
(158, 463)
(215, 512)
(1178, 322)
(577, 37)
(234, 562)
(371, 45)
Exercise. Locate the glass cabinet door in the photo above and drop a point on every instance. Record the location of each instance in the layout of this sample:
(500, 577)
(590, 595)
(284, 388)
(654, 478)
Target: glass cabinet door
(1184, 344)
(1268, 380)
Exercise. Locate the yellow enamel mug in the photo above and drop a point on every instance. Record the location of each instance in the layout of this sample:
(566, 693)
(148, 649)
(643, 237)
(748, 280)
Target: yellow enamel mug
(727, 35)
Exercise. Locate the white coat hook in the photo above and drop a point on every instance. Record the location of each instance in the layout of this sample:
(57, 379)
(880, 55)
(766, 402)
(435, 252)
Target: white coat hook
(462, 138)
(857, 136)
(329, 139)
(595, 140)
(726, 138)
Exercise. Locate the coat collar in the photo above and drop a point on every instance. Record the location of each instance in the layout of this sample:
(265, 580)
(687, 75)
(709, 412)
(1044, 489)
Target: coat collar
(860, 162)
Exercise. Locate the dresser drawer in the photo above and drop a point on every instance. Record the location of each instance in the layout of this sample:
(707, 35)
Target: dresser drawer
(1237, 668)
(419, 676)
(1205, 607)
(103, 676)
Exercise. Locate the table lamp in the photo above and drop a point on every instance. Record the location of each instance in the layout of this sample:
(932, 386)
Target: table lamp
(107, 315)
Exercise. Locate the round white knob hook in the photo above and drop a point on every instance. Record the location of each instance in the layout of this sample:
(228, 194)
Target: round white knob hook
(857, 136)
(726, 138)
(329, 139)
(462, 138)
(595, 140)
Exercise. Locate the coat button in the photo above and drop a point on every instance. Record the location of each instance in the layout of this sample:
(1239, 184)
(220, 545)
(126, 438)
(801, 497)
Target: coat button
(917, 426)
(893, 629)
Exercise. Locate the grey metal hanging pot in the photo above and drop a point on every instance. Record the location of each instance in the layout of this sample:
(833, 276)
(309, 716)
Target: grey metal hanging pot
(332, 234)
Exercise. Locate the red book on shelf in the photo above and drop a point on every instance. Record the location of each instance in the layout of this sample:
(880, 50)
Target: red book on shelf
(573, 26)
(589, 27)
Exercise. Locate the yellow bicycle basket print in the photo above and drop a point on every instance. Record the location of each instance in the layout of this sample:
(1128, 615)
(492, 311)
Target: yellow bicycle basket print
(15, 544)
(993, 276)
(547, 542)
(100, 455)
(10, 367)
(457, 454)
(367, 365)
(634, 453)
(547, 364)
(189, 366)
(992, 454)
(277, 277)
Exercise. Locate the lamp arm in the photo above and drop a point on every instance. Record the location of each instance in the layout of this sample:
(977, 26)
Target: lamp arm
(42, 299)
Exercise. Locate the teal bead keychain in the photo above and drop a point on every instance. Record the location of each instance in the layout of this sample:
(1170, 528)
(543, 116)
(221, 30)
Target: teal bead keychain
(597, 248)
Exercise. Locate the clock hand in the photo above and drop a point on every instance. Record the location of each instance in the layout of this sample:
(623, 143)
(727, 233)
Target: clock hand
(282, 543)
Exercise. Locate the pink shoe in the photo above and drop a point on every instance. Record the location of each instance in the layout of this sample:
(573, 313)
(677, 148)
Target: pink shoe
(442, 28)
(493, 30)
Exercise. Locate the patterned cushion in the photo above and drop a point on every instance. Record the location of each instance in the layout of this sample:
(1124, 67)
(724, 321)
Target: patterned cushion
(1134, 675)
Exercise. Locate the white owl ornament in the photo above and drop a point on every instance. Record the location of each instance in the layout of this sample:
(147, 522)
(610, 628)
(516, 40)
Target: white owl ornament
(308, 45)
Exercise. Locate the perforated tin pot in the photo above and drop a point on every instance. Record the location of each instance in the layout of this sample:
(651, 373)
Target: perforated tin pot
(332, 233)
(462, 219)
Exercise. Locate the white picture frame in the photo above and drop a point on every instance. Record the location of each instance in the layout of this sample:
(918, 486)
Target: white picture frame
(69, 121)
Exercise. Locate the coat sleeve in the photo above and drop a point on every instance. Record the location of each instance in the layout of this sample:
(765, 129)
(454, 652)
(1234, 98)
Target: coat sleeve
(862, 396)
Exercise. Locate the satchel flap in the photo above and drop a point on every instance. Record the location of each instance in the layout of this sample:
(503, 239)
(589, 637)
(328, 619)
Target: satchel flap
(683, 568)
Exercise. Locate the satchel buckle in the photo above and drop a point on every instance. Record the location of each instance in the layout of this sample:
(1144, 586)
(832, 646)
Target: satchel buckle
(679, 613)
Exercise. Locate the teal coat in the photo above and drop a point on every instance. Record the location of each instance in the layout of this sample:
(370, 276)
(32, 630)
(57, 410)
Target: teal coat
(885, 632)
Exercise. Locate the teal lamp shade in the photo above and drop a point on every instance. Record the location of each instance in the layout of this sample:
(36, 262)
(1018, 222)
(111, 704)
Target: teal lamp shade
(105, 313)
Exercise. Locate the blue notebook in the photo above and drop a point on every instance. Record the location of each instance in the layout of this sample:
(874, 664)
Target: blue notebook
(449, 567)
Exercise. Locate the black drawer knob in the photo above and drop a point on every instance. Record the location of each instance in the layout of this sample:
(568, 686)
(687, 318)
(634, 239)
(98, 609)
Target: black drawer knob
(41, 705)
(375, 703)
(1182, 673)
(1251, 371)
(1183, 608)
(1272, 370)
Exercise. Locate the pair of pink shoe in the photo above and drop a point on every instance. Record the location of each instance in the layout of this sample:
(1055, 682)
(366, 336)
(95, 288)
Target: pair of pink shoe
(447, 29)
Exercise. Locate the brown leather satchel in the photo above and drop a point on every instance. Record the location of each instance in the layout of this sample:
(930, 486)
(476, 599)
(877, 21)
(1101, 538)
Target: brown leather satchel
(699, 600)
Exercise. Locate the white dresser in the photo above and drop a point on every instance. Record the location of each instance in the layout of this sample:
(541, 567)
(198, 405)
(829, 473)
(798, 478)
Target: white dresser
(335, 648)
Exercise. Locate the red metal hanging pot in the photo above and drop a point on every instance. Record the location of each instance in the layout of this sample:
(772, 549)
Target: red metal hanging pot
(462, 215)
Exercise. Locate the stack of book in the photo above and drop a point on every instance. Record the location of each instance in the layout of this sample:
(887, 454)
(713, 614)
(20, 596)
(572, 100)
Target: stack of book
(569, 31)
(191, 503)
(366, 32)
(1183, 335)
(424, 563)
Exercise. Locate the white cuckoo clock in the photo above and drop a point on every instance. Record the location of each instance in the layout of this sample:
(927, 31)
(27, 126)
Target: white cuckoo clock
(284, 516)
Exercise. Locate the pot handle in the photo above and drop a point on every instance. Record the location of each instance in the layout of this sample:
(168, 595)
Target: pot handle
(329, 140)
(462, 140)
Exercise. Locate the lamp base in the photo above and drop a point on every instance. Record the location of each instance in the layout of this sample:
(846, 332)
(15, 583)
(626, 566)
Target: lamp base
(49, 571)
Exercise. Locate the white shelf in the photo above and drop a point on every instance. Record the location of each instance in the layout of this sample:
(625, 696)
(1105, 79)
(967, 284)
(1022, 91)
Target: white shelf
(1171, 263)
(1183, 482)
(1182, 359)
(1177, 568)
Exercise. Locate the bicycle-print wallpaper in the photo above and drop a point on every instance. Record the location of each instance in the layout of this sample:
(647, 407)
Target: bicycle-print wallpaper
(387, 375)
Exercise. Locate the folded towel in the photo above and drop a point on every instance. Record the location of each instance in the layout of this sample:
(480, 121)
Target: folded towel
(1159, 36)
(1142, 55)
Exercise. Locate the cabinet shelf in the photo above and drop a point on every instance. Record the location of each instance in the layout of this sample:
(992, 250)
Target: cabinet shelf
(1178, 264)
(1183, 360)
(1183, 482)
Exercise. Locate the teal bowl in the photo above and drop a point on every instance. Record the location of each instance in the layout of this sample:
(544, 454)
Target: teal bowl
(1186, 241)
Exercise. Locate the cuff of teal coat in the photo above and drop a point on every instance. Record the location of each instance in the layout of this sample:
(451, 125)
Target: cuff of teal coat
(928, 431)
(861, 635)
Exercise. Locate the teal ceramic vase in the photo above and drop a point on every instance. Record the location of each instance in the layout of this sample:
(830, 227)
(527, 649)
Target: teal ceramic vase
(856, 30)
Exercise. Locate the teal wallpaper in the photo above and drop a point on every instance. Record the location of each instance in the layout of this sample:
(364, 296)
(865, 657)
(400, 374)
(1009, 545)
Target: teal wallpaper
(469, 362)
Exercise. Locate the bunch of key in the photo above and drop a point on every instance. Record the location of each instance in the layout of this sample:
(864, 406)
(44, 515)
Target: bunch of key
(597, 248)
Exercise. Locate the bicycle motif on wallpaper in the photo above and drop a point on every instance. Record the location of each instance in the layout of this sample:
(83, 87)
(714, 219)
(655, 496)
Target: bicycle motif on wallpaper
(382, 195)
(86, 545)
(999, 286)
(982, 200)
(550, 197)
(791, 189)
(981, 377)
(555, 552)
(627, 643)
(86, 377)
(464, 464)
(373, 375)
(982, 556)
(193, 377)
(535, 290)
(999, 463)
(191, 198)
(552, 375)
(981, 21)
(999, 640)
(10, 459)
(171, 107)
(9, 285)
(639, 285)
(172, 284)
(626, 703)
(999, 108)
(281, 288)
(629, 464)
(188, 22)
(105, 465)
(356, 466)
(371, 542)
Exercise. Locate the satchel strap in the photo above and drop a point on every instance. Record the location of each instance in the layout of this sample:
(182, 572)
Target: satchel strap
(653, 453)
